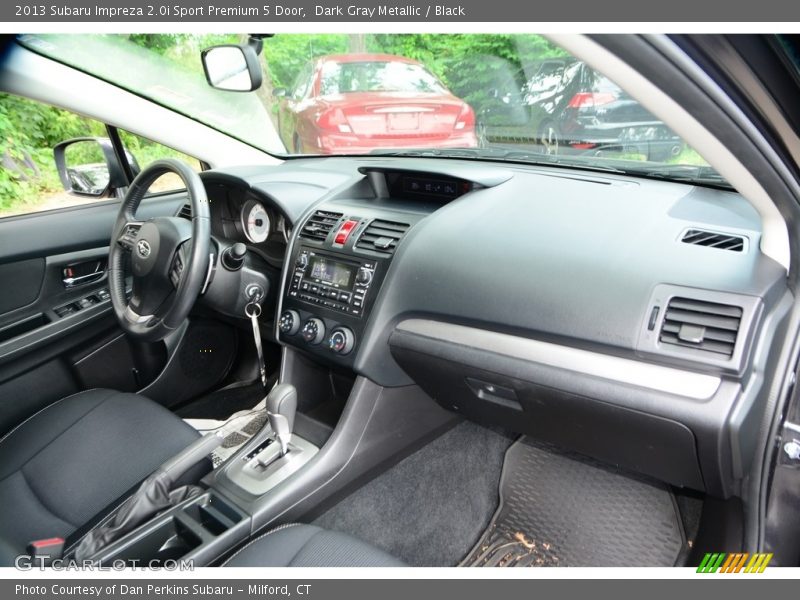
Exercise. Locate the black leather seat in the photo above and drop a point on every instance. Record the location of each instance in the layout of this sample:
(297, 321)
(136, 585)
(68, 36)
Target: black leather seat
(74, 459)
(298, 545)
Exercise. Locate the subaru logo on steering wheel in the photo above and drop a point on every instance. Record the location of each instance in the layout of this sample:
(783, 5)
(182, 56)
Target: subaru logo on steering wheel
(143, 248)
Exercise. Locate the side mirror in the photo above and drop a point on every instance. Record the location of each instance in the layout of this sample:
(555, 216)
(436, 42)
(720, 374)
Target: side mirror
(280, 92)
(88, 167)
(232, 68)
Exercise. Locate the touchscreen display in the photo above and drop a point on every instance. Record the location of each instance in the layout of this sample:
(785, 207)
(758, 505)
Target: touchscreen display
(331, 272)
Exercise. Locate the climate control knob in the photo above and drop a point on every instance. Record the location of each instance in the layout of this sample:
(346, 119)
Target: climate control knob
(313, 331)
(342, 340)
(364, 275)
(289, 323)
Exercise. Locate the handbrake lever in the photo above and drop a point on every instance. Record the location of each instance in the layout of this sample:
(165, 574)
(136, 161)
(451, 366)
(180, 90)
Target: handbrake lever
(154, 495)
(176, 466)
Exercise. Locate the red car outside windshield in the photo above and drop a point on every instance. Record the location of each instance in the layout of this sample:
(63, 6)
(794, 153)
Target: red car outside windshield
(357, 103)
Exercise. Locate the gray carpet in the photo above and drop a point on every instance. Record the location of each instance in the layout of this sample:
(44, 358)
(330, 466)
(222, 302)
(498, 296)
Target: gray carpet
(431, 508)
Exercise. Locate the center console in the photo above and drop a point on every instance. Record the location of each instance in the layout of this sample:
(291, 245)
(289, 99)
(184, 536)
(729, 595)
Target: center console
(339, 261)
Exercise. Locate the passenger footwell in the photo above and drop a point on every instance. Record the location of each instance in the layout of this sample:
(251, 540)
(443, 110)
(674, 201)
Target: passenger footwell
(562, 509)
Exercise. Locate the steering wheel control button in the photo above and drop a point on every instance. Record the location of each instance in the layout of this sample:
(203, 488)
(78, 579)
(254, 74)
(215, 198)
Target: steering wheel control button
(313, 331)
(342, 340)
(177, 269)
(129, 235)
(289, 322)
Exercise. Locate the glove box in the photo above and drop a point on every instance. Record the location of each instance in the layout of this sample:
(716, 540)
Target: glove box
(550, 405)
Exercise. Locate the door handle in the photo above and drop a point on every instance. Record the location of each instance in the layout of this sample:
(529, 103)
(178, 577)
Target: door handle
(71, 279)
(71, 282)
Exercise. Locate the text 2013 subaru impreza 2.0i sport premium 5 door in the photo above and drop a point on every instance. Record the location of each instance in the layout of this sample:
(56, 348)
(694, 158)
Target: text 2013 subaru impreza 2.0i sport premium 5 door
(304, 285)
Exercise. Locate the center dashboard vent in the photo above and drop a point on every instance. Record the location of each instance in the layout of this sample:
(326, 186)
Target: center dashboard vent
(319, 225)
(185, 212)
(712, 239)
(706, 326)
(382, 236)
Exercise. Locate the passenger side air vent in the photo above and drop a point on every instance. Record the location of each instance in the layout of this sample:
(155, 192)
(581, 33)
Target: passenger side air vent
(185, 212)
(382, 236)
(701, 325)
(319, 225)
(723, 241)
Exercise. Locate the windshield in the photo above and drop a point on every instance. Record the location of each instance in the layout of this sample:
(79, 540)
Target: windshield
(481, 96)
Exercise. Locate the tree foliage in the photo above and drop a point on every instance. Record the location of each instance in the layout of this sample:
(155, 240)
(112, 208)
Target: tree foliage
(28, 132)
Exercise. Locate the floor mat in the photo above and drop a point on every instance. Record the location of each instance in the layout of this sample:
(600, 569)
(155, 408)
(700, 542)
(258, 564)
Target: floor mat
(237, 429)
(430, 508)
(560, 509)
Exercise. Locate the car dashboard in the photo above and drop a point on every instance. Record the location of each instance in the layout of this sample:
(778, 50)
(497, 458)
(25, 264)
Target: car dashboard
(624, 318)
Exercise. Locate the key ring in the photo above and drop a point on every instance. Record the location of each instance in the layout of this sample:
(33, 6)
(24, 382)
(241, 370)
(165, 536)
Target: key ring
(252, 310)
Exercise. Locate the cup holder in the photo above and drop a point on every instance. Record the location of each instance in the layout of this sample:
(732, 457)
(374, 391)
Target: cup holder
(169, 541)
(179, 532)
(214, 515)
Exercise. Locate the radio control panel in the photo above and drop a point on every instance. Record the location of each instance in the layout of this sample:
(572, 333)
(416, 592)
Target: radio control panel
(332, 282)
(333, 277)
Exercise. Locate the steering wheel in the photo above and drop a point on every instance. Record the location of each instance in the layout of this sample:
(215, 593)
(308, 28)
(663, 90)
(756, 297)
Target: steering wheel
(169, 257)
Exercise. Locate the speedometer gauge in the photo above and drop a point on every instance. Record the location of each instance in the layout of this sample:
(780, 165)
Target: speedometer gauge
(255, 221)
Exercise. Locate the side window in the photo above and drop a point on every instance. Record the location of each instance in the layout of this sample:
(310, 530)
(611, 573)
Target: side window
(142, 152)
(29, 130)
(29, 179)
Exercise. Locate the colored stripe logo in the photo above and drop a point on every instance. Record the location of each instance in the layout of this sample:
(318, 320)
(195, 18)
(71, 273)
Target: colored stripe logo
(740, 562)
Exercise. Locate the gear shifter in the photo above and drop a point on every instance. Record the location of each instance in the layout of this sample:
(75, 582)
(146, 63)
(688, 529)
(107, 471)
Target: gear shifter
(281, 408)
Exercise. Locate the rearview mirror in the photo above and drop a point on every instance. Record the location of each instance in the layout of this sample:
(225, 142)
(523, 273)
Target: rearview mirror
(88, 166)
(232, 68)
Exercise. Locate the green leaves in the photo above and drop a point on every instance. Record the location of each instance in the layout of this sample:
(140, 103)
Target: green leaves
(28, 131)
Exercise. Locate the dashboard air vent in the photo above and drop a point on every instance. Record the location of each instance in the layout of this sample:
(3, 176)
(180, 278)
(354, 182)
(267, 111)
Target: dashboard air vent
(319, 225)
(723, 241)
(382, 236)
(702, 325)
(185, 212)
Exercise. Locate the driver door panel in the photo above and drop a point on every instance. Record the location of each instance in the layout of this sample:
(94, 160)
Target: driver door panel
(58, 333)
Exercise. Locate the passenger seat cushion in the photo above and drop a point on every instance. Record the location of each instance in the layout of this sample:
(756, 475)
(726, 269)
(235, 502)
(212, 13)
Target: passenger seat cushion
(309, 546)
(70, 461)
